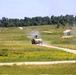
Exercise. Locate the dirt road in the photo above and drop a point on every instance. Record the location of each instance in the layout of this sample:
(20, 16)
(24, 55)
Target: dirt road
(37, 63)
(64, 49)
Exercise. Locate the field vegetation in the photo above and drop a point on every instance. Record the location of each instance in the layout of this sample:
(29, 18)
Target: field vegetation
(16, 46)
(56, 69)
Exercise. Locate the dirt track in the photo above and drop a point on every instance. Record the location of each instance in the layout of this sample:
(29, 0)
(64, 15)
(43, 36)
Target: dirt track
(36, 63)
(64, 49)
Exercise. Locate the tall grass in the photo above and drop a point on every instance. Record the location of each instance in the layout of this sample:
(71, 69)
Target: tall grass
(16, 46)
(56, 69)
(28, 52)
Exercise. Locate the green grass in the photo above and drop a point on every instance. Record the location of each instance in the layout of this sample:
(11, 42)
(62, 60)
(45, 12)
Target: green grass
(56, 69)
(16, 46)
(28, 52)
(54, 38)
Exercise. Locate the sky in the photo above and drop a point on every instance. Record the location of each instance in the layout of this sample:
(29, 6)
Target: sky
(33, 8)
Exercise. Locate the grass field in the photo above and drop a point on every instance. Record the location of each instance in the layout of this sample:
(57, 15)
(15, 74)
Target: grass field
(16, 46)
(56, 69)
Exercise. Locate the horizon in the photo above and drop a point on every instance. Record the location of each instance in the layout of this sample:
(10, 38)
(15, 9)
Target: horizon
(37, 16)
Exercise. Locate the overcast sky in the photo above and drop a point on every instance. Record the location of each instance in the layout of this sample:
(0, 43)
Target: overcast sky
(32, 8)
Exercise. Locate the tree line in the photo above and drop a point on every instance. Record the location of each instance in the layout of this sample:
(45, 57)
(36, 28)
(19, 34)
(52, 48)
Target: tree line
(36, 21)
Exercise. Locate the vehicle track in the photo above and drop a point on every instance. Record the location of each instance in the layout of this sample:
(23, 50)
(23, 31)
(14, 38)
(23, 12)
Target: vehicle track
(36, 63)
(64, 49)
